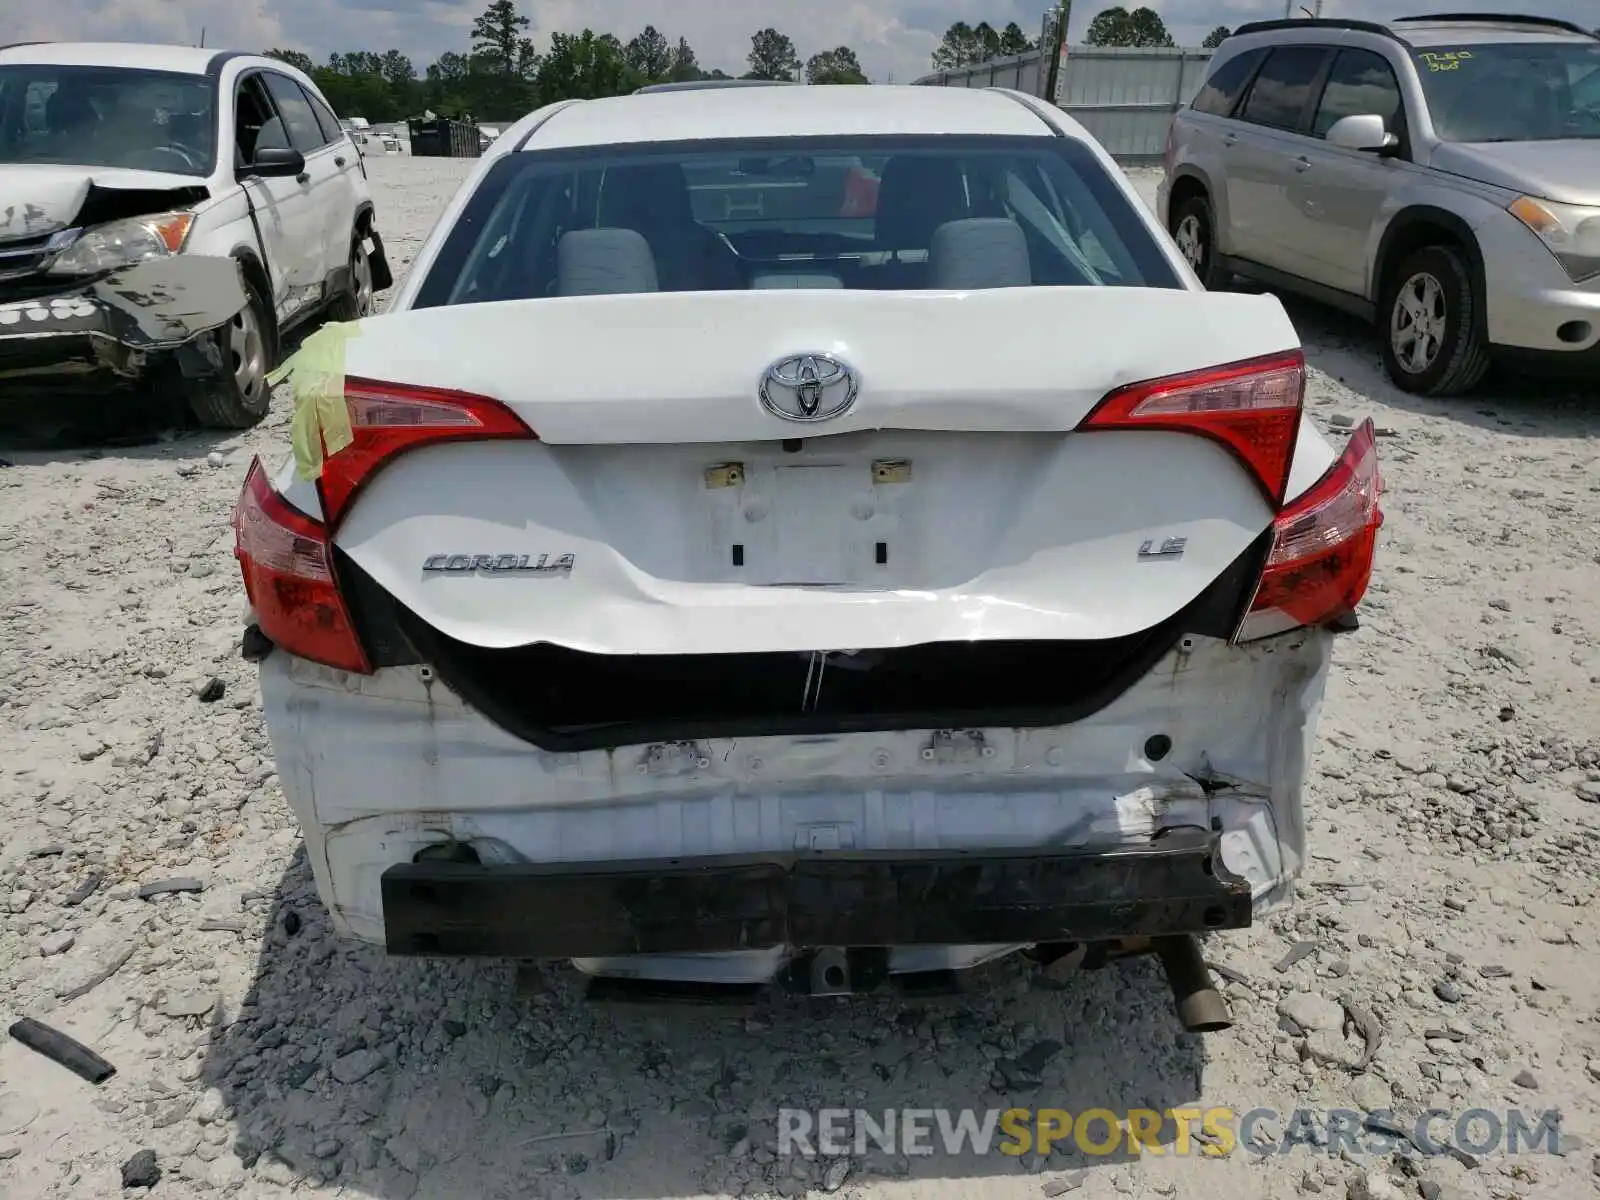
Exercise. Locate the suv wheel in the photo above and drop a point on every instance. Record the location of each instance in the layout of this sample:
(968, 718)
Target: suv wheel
(1193, 230)
(242, 396)
(355, 301)
(1433, 343)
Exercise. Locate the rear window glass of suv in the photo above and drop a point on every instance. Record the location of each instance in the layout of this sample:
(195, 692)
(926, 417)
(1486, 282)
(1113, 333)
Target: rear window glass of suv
(1529, 91)
(876, 213)
(1283, 86)
(1360, 84)
(1222, 88)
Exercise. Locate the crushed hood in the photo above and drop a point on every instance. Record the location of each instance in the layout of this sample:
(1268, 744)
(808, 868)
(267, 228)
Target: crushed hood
(1567, 171)
(40, 198)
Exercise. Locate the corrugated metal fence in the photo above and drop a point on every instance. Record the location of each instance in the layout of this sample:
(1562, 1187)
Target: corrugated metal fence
(1124, 96)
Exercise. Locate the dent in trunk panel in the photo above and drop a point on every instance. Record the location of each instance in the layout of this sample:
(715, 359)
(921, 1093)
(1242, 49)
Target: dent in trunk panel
(567, 700)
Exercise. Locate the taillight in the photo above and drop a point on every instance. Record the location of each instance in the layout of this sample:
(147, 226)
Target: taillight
(1322, 545)
(1252, 408)
(287, 564)
(388, 419)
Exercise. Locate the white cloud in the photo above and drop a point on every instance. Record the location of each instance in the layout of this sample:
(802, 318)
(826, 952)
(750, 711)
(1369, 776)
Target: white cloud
(891, 37)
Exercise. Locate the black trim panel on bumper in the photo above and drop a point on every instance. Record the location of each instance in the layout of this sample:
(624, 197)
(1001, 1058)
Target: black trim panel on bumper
(1173, 885)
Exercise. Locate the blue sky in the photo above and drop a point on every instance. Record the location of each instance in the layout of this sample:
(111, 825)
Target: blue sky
(892, 37)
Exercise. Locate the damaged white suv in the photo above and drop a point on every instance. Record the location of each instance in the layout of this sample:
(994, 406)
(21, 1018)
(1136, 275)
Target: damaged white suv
(167, 216)
(842, 541)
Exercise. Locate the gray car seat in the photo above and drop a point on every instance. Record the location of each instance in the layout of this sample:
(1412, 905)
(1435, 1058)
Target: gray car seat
(604, 262)
(653, 201)
(979, 252)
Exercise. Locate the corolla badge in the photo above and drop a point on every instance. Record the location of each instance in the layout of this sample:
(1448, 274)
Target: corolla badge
(499, 564)
(808, 387)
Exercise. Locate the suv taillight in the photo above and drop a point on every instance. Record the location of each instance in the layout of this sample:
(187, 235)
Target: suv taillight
(1252, 408)
(1322, 546)
(287, 563)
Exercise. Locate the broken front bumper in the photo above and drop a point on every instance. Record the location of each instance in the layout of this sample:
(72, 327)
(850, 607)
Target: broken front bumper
(1174, 885)
(116, 329)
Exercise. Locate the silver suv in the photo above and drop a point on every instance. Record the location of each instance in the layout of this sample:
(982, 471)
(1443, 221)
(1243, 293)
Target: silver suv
(1439, 176)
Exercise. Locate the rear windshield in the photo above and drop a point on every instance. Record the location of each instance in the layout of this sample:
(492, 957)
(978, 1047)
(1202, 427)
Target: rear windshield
(1528, 91)
(857, 213)
(107, 117)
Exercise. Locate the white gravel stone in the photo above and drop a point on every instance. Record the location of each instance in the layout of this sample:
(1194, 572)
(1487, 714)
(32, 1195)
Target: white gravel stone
(57, 943)
(1312, 1012)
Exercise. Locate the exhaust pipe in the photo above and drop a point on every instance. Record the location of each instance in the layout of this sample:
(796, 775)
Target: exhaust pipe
(1201, 1008)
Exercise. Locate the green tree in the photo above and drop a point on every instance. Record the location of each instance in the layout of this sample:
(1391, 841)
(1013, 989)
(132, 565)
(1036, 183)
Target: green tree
(401, 78)
(1216, 37)
(838, 65)
(1118, 27)
(649, 55)
(584, 66)
(951, 50)
(1014, 41)
(356, 62)
(447, 90)
(965, 44)
(354, 84)
(498, 40)
(295, 58)
(773, 56)
(685, 66)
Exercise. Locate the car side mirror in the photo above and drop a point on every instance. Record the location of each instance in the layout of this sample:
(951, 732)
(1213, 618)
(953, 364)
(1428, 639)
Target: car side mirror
(277, 161)
(1364, 132)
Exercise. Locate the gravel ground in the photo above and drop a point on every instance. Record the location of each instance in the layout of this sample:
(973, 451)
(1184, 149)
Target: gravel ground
(1455, 862)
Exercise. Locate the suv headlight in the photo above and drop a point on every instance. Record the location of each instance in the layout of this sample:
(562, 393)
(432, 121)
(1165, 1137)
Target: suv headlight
(1570, 231)
(123, 243)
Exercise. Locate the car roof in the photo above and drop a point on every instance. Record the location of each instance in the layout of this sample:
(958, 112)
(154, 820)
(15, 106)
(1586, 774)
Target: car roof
(843, 109)
(187, 60)
(1433, 32)
(695, 85)
(1460, 29)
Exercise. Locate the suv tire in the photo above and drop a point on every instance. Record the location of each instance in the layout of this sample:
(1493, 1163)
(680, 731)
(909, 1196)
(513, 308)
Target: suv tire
(1433, 341)
(355, 301)
(242, 396)
(1194, 229)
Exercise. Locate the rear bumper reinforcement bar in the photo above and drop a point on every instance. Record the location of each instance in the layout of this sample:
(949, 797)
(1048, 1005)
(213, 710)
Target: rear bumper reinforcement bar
(1174, 885)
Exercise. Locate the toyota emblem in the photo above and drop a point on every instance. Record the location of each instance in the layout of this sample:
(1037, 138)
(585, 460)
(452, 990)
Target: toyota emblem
(808, 387)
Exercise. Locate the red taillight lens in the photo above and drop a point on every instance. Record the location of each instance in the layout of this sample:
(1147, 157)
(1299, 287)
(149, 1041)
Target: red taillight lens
(388, 419)
(288, 575)
(1252, 408)
(1322, 545)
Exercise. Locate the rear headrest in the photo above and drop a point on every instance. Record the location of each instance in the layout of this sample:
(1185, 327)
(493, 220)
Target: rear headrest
(646, 197)
(604, 262)
(917, 194)
(979, 252)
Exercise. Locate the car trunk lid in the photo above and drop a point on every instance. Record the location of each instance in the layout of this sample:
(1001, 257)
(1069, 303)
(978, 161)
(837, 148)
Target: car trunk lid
(662, 510)
(686, 367)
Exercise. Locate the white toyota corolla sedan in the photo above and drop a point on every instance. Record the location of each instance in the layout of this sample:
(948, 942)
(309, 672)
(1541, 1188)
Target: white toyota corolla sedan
(807, 535)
